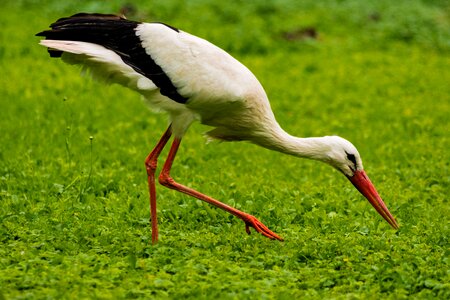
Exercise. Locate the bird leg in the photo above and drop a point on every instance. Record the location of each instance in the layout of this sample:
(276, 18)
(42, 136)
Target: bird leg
(249, 220)
(150, 164)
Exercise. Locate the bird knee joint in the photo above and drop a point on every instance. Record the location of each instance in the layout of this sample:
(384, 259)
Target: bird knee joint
(151, 165)
(166, 180)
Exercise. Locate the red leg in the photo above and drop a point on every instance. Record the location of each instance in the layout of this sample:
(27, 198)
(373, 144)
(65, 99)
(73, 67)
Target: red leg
(166, 180)
(150, 164)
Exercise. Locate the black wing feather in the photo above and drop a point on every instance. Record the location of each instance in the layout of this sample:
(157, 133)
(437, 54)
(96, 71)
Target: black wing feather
(117, 34)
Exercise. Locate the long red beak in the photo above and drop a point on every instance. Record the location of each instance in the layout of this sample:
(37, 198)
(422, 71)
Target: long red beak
(365, 187)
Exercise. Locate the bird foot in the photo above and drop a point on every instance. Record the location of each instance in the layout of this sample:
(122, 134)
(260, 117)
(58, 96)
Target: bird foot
(251, 221)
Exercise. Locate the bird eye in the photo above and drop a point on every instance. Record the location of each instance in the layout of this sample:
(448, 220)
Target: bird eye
(352, 158)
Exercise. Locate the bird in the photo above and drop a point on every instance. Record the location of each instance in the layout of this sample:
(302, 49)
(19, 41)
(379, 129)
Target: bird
(193, 80)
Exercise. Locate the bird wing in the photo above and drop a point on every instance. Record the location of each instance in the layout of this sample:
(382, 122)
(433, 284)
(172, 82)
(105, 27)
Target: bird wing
(179, 64)
(96, 33)
(200, 70)
(221, 90)
(192, 74)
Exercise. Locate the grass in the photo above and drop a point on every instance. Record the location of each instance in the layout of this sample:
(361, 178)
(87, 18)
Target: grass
(74, 201)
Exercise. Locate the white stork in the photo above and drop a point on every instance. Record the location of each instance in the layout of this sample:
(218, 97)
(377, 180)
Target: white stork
(194, 80)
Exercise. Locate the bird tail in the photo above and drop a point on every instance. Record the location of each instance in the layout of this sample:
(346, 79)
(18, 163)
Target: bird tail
(102, 64)
(95, 41)
(92, 27)
(106, 30)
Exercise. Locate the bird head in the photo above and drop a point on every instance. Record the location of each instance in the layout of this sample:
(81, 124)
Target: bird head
(342, 155)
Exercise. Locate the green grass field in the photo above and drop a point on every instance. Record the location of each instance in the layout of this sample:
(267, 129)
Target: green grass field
(73, 193)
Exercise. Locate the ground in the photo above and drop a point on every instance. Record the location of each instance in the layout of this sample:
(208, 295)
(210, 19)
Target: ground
(74, 200)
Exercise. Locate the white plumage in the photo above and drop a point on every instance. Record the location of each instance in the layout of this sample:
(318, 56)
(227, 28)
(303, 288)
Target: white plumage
(103, 64)
(195, 66)
(192, 79)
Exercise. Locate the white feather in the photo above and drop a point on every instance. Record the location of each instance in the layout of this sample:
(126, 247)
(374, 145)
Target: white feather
(195, 66)
(222, 91)
(102, 63)
(106, 65)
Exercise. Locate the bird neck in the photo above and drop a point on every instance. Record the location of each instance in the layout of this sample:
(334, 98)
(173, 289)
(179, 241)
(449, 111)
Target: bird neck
(279, 140)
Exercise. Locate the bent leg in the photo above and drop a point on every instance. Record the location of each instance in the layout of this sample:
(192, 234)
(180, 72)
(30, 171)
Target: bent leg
(166, 180)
